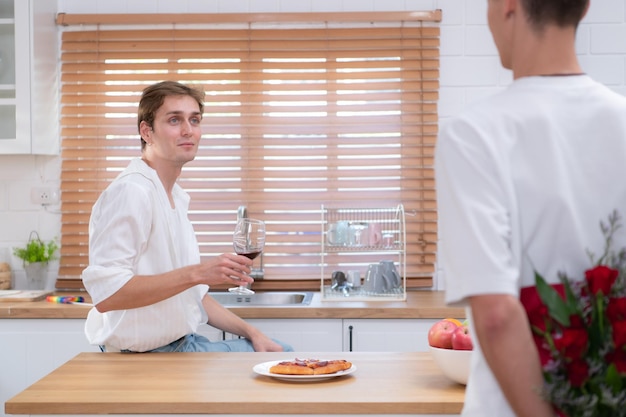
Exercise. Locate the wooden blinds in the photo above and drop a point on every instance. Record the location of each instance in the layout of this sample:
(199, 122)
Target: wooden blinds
(297, 115)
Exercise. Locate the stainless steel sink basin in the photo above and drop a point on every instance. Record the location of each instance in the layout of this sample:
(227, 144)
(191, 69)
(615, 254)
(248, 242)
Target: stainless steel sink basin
(263, 299)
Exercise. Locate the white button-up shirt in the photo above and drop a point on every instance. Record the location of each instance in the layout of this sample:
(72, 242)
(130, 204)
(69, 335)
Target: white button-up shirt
(523, 180)
(134, 231)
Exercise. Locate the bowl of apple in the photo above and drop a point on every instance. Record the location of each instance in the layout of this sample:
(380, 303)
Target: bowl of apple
(451, 347)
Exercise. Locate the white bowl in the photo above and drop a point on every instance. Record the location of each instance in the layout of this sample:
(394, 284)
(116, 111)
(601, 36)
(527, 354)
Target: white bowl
(455, 364)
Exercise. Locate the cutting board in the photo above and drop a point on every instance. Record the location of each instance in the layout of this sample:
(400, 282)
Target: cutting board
(23, 295)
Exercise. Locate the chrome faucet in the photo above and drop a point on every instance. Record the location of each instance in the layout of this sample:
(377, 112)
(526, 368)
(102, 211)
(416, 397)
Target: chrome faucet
(255, 273)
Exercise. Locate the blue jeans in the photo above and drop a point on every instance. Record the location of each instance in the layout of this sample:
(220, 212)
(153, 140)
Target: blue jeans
(198, 343)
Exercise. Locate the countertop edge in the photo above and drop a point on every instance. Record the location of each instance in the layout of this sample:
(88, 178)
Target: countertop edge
(418, 305)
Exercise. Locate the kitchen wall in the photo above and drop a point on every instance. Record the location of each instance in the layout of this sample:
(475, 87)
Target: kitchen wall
(470, 69)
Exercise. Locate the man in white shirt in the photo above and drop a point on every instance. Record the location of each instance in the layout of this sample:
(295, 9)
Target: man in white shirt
(145, 277)
(523, 180)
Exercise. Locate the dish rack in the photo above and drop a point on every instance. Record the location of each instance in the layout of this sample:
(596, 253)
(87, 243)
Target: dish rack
(353, 239)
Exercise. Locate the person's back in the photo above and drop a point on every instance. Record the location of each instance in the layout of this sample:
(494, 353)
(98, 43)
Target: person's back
(550, 157)
(523, 180)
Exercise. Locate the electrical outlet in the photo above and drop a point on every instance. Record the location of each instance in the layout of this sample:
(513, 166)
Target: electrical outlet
(44, 196)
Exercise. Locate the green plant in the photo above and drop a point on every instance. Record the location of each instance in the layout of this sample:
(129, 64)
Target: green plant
(36, 250)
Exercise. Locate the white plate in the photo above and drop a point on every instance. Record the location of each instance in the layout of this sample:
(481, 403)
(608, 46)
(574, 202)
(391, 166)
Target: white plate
(264, 369)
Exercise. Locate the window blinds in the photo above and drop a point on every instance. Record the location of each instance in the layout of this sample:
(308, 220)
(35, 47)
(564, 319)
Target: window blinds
(297, 115)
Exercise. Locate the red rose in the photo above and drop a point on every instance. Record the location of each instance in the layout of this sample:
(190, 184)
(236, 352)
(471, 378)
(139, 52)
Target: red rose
(538, 318)
(560, 413)
(618, 358)
(572, 343)
(601, 278)
(575, 321)
(545, 355)
(616, 310)
(578, 372)
(535, 309)
(619, 334)
(620, 365)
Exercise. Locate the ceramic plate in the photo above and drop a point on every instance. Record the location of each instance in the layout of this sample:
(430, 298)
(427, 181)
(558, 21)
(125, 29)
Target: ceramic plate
(264, 369)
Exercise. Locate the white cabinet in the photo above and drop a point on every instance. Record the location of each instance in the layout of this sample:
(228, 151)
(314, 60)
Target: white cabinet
(29, 86)
(386, 335)
(211, 333)
(347, 335)
(304, 335)
(32, 348)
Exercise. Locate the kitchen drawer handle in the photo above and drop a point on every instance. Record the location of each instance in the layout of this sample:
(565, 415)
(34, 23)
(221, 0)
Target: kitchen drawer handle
(350, 338)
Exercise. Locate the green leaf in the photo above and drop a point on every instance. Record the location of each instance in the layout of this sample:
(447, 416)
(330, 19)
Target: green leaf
(557, 307)
(572, 301)
(37, 251)
(613, 379)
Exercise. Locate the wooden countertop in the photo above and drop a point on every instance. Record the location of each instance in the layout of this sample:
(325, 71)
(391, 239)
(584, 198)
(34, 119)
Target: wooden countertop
(224, 383)
(419, 304)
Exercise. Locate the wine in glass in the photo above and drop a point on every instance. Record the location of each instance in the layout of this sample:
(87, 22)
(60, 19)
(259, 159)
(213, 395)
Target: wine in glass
(248, 240)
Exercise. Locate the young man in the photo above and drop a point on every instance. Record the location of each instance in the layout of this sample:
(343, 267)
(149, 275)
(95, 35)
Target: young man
(144, 275)
(524, 179)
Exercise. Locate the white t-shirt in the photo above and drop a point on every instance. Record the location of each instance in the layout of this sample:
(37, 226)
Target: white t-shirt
(523, 180)
(134, 231)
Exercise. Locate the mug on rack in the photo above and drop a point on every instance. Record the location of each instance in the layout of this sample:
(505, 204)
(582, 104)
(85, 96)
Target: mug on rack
(388, 240)
(374, 281)
(375, 234)
(359, 235)
(354, 278)
(390, 274)
(338, 233)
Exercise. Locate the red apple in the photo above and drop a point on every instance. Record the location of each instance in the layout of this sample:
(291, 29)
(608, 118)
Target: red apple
(440, 334)
(461, 339)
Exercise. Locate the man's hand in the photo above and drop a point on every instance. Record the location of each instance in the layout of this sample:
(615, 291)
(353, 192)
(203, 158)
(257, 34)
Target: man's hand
(227, 268)
(262, 343)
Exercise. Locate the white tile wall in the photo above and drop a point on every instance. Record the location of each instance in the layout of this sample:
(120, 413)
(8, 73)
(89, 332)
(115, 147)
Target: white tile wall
(18, 216)
(470, 70)
(608, 39)
(326, 6)
(603, 12)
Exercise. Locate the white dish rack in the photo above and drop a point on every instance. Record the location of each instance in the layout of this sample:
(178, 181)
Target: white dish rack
(350, 252)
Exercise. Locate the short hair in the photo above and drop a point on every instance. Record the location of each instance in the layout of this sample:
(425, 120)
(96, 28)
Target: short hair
(563, 13)
(153, 96)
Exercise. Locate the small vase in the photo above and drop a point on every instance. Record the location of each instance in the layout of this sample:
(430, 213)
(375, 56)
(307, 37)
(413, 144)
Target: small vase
(36, 275)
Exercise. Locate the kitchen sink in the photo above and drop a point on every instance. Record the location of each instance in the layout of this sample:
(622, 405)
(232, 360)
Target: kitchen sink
(260, 299)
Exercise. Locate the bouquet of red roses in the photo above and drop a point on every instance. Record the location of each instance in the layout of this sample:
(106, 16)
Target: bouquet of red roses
(579, 328)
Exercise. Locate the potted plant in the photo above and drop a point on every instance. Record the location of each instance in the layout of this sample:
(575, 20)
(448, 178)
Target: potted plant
(36, 255)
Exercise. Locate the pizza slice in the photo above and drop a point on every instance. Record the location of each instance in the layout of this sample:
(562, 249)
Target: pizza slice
(310, 367)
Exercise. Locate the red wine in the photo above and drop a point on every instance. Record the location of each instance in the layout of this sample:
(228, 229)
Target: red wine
(251, 255)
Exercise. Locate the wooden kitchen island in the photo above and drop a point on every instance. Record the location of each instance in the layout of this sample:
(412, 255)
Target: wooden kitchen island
(383, 383)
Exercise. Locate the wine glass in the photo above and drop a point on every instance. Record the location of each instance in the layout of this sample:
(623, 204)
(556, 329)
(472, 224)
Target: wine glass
(248, 240)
